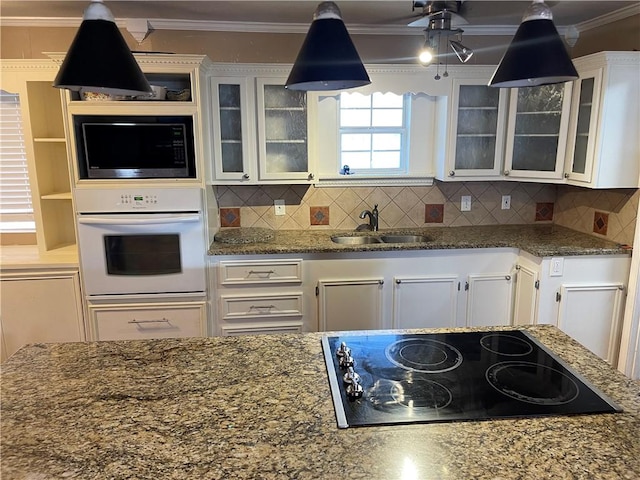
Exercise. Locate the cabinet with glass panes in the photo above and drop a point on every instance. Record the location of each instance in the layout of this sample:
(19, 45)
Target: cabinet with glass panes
(476, 131)
(260, 129)
(602, 148)
(537, 131)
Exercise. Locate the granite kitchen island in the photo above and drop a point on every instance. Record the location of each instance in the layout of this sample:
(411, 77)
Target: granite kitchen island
(259, 407)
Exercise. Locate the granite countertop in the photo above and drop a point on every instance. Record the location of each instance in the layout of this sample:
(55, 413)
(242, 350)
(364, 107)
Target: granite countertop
(539, 240)
(259, 407)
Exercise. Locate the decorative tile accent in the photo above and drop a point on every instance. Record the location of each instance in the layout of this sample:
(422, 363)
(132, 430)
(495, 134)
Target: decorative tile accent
(434, 213)
(319, 215)
(600, 222)
(544, 212)
(229, 217)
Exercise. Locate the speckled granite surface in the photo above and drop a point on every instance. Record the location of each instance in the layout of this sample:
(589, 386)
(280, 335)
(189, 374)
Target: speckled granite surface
(259, 407)
(538, 240)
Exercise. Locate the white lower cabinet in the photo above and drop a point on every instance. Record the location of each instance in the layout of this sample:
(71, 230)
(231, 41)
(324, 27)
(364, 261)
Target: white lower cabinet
(258, 295)
(40, 307)
(143, 319)
(489, 300)
(411, 295)
(583, 296)
(592, 315)
(350, 304)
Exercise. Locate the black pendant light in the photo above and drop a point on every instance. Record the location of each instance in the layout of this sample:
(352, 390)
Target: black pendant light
(327, 60)
(99, 59)
(537, 55)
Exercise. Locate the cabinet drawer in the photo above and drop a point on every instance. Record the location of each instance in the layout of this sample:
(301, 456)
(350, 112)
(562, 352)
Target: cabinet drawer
(261, 306)
(258, 272)
(127, 322)
(233, 331)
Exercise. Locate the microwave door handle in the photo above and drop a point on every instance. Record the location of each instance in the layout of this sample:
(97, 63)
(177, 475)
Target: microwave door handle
(138, 221)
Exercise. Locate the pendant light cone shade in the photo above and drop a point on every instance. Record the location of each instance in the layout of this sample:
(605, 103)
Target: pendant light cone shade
(99, 59)
(536, 55)
(327, 60)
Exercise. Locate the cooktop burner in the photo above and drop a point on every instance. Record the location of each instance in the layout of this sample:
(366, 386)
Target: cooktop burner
(382, 379)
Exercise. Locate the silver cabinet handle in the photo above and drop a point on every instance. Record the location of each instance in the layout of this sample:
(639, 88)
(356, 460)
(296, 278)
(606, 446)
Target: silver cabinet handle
(134, 321)
(261, 272)
(261, 307)
(245, 176)
(507, 277)
(311, 176)
(452, 173)
(507, 172)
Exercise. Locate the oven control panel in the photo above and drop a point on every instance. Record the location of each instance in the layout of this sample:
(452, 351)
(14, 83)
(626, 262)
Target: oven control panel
(103, 200)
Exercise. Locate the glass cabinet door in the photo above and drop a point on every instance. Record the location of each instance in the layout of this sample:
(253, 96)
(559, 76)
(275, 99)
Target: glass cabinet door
(476, 147)
(232, 137)
(283, 133)
(583, 119)
(537, 131)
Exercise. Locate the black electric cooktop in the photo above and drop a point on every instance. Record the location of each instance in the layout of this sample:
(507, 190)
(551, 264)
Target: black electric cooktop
(383, 379)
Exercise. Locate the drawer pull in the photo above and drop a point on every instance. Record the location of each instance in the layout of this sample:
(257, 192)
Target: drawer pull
(261, 272)
(261, 307)
(134, 321)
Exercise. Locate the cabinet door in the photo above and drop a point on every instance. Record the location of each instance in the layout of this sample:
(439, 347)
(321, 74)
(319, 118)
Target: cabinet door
(591, 315)
(234, 150)
(537, 131)
(282, 132)
(525, 305)
(489, 300)
(476, 130)
(582, 135)
(41, 309)
(425, 302)
(350, 304)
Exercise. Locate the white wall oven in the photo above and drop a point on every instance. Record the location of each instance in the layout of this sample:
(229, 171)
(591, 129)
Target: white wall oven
(141, 241)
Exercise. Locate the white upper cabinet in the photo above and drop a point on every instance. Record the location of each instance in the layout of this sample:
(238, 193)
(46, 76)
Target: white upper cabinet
(603, 148)
(537, 132)
(476, 126)
(260, 130)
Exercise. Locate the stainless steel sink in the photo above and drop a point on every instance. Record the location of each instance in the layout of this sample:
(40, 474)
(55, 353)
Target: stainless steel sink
(354, 240)
(366, 239)
(404, 239)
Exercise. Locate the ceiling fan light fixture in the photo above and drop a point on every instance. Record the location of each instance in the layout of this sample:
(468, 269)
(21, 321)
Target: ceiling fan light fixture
(99, 59)
(463, 53)
(327, 60)
(537, 55)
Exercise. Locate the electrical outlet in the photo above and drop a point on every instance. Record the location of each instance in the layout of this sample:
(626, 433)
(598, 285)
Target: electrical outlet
(557, 266)
(506, 202)
(278, 205)
(465, 203)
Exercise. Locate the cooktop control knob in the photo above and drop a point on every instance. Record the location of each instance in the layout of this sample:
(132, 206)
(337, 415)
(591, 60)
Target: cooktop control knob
(354, 390)
(351, 376)
(346, 361)
(343, 350)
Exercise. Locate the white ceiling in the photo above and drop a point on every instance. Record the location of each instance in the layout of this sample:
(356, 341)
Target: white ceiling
(360, 16)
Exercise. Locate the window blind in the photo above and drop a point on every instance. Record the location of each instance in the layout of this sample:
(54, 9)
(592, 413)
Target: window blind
(16, 210)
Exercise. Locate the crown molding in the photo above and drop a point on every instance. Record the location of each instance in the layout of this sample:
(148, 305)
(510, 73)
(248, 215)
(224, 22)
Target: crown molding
(263, 27)
(610, 17)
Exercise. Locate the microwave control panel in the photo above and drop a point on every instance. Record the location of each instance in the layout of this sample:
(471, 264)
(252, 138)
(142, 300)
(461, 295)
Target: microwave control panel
(138, 200)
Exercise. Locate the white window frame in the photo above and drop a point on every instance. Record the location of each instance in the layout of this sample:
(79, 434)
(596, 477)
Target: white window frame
(403, 130)
(426, 136)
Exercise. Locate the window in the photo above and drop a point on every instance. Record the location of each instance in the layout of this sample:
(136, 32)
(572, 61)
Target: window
(16, 211)
(373, 133)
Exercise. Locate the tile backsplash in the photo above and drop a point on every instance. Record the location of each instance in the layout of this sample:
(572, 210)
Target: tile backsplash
(308, 207)
(399, 207)
(609, 214)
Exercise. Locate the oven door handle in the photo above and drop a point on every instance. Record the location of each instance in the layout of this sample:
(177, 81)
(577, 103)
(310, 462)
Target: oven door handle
(150, 220)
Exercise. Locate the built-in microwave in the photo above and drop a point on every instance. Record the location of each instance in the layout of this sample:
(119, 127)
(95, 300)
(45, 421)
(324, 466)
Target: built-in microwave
(146, 146)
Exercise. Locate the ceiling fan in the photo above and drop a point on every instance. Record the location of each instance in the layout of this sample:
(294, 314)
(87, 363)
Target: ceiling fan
(441, 19)
(438, 15)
